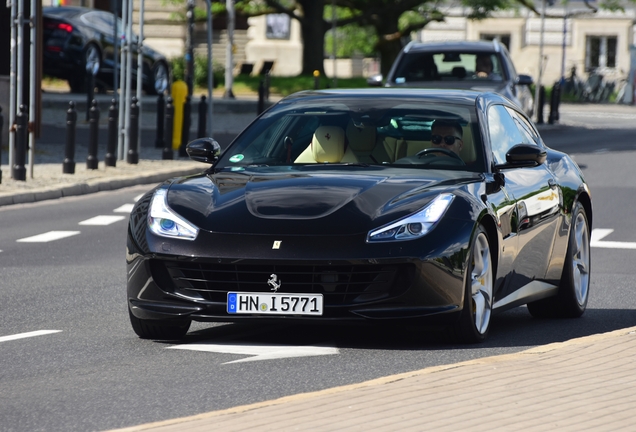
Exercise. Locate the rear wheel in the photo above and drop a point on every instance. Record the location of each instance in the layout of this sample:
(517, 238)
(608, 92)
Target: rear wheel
(574, 288)
(158, 329)
(474, 322)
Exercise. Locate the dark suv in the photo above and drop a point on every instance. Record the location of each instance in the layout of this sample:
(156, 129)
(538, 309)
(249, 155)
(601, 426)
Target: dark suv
(476, 65)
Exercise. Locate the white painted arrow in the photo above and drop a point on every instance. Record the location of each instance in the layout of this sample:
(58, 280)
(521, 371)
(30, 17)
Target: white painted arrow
(600, 233)
(260, 352)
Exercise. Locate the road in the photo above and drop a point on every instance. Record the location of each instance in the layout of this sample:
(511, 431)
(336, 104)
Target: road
(86, 369)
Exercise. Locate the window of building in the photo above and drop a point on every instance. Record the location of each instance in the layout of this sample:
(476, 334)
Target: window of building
(503, 38)
(600, 52)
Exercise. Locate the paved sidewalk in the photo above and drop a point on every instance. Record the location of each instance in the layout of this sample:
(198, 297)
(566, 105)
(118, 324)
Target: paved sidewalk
(587, 383)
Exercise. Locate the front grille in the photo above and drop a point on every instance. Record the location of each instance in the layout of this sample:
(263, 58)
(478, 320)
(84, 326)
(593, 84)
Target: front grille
(340, 284)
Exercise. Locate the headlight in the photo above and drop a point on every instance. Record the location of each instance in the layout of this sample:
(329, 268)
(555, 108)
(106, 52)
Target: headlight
(166, 223)
(414, 226)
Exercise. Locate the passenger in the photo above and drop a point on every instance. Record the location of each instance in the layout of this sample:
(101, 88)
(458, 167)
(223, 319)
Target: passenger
(483, 65)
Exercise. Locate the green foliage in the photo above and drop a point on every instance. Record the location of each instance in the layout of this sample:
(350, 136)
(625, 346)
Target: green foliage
(351, 39)
(178, 66)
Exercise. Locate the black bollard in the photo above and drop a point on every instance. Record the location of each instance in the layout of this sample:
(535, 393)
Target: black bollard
(554, 103)
(90, 94)
(1, 126)
(260, 107)
(185, 132)
(267, 81)
(203, 112)
(133, 149)
(68, 166)
(167, 153)
(91, 160)
(111, 148)
(161, 103)
(541, 104)
(22, 121)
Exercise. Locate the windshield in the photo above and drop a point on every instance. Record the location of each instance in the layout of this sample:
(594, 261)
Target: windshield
(361, 131)
(449, 66)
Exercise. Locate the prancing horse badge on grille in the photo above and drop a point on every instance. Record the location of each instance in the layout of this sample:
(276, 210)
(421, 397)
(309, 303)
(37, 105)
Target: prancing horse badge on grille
(274, 282)
(277, 244)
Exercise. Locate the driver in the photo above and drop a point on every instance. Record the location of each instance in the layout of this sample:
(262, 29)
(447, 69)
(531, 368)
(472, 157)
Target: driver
(447, 134)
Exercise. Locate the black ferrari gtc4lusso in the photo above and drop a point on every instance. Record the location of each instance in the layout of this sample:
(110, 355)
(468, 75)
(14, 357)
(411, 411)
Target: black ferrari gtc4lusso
(422, 206)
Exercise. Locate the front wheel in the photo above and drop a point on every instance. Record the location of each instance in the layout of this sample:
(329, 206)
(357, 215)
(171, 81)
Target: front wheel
(474, 322)
(574, 288)
(157, 329)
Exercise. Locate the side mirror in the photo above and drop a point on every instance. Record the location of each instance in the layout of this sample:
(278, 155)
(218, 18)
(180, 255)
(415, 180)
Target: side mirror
(525, 80)
(205, 150)
(375, 80)
(523, 155)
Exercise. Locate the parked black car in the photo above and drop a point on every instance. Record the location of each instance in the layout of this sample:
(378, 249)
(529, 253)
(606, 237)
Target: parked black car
(74, 37)
(476, 65)
(367, 205)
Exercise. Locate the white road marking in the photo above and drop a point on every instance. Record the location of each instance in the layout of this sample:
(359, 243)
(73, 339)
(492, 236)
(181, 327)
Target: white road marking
(126, 208)
(260, 352)
(48, 236)
(102, 220)
(27, 335)
(600, 233)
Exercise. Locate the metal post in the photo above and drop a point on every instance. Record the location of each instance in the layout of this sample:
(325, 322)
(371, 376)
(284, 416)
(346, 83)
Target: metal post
(316, 79)
(1, 126)
(32, 83)
(91, 160)
(189, 55)
(203, 110)
(539, 85)
(161, 103)
(13, 80)
(133, 150)
(229, 50)
(554, 103)
(210, 67)
(22, 121)
(122, 81)
(68, 166)
(116, 37)
(167, 152)
(333, 37)
(187, 122)
(140, 63)
(111, 148)
(129, 67)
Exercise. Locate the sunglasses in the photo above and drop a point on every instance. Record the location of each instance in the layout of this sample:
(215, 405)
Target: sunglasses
(448, 139)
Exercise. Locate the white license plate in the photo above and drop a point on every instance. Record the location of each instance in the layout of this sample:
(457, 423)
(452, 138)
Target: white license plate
(274, 303)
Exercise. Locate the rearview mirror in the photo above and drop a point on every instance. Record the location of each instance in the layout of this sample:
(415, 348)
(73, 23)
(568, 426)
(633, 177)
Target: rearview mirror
(524, 80)
(205, 150)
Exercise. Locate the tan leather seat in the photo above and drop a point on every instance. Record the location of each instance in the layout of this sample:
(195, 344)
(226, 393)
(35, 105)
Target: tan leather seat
(327, 146)
(363, 143)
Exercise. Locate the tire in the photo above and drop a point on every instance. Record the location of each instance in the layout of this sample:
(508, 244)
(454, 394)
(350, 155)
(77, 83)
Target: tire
(474, 323)
(574, 287)
(157, 329)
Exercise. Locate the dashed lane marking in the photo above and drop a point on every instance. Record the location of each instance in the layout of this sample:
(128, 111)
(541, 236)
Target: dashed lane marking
(48, 236)
(27, 335)
(102, 220)
(126, 208)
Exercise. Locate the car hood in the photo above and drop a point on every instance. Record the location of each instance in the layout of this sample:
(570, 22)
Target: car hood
(299, 203)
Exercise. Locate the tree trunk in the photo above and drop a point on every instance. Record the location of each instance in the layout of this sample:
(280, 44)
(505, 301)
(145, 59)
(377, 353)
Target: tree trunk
(313, 28)
(389, 50)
